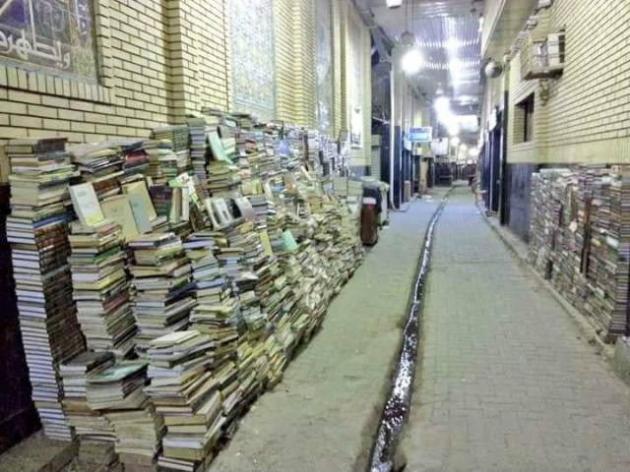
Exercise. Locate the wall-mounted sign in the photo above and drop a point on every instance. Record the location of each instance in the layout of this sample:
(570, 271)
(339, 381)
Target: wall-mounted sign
(421, 135)
(57, 35)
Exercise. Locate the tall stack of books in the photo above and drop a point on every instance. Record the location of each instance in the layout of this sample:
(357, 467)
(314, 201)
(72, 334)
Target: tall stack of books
(162, 279)
(223, 178)
(164, 164)
(185, 392)
(176, 134)
(198, 146)
(37, 232)
(579, 242)
(100, 288)
(119, 392)
(88, 424)
(101, 165)
(135, 158)
(315, 286)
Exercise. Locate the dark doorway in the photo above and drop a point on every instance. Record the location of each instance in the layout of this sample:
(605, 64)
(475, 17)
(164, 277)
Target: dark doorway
(495, 157)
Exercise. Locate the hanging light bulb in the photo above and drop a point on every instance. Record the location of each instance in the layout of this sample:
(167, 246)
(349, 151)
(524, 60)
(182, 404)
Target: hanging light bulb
(393, 3)
(412, 61)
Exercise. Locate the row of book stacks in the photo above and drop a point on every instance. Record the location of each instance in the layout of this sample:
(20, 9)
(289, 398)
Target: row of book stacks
(580, 240)
(163, 284)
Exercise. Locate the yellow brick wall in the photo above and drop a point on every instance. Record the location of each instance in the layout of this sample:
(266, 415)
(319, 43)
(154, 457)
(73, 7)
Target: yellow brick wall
(283, 28)
(356, 80)
(338, 85)
(587, 116)
(305, 54)
(162, 59)
(294, 29)
(140, 78)
(199, 56)
(166, 58)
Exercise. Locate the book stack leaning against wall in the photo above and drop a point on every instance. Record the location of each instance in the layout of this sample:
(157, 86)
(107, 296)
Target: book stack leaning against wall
(100, 286)
(185, 393)
(579, 240)
(162, 279)
(37, 231)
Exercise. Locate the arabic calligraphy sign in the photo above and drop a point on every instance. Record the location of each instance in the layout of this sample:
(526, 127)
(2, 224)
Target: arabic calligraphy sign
(54, 34)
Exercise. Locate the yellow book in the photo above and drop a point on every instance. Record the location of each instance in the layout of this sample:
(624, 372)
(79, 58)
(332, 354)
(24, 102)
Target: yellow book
(118, 209)
(141, 193)
(86, 206)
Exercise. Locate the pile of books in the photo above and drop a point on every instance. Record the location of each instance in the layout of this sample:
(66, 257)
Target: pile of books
(162, 279)
(164, 163)
(100, 288)
(217, 317)
(118, 391)
(185, 392)
(579, 241)
(37, 232)
(199, 146)
(135, 158)
(88, 424)
(176, 134)
(101, 165)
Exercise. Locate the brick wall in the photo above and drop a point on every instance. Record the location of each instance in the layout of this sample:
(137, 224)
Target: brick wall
(199, 56)
(162, 59)
(586, 116)
(294, 28)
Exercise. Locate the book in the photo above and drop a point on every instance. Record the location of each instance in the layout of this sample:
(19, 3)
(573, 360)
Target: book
(86, 204)
(118, 209)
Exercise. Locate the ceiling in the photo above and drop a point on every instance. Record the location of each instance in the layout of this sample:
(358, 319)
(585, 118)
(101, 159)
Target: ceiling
(448, 35)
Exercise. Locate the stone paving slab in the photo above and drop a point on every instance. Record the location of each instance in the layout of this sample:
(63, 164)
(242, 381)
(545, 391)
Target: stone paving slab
(323, 415)
(37, 453)
(506, 383)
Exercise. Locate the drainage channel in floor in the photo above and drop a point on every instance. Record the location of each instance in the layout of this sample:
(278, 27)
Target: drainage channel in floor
(396, 410)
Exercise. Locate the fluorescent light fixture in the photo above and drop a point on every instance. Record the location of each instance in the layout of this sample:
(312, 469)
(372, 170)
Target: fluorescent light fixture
(442, 106)
(453, 44)
(393, 3)
(412, 61)
(455, 141)
(456, 67)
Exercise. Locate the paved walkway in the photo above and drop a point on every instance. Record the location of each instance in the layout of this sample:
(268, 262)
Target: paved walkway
(506, 383)
(323, 415)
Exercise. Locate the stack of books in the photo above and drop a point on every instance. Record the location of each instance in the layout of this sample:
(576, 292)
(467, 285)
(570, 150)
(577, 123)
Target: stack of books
(223, 178)
(119, 392)
(37, 232)
(198, 146)
(176, 134)
(101, 165)
(100, 287)
(135, 158)
(185, 392)
(164, 164)
(579, 241)
(162, 279)
(88, 424)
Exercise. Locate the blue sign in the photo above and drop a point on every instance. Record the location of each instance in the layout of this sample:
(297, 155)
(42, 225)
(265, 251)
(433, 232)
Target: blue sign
(421, 135)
